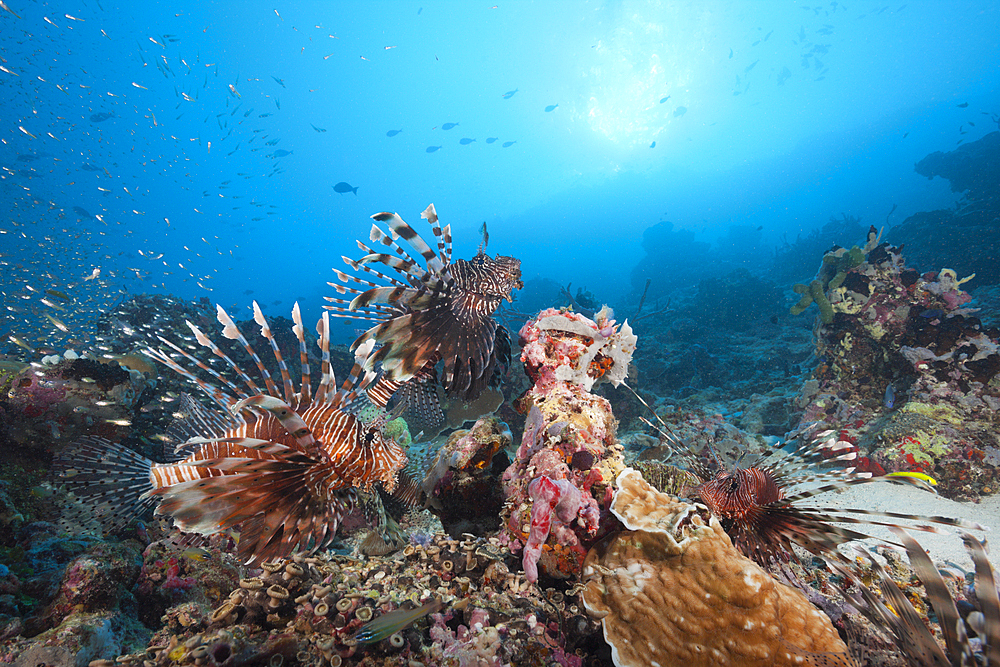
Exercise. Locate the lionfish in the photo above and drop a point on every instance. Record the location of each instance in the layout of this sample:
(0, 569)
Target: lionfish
(282, 467)
(761, 504)
(894, 613)
(438, 313)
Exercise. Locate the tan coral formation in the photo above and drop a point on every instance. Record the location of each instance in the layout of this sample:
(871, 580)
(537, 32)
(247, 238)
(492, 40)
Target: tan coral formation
(673, 591)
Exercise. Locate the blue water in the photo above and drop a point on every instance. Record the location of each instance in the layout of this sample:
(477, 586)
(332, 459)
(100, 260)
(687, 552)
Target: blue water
(774, 115)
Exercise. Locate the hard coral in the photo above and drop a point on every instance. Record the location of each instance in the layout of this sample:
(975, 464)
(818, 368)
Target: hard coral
(672, 590)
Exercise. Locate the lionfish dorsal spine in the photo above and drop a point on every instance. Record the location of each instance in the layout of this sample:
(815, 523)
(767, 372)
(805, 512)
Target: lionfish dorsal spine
(265, 331)
(305, 386)
(326, 380)
(443, 235)
(223, 399)
(232, 332)
(207, 342)
(987, 594)
(408, 234)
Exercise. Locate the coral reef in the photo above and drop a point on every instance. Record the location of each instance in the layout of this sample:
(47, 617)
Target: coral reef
(908, 372)
(462, 484)
(672, 590)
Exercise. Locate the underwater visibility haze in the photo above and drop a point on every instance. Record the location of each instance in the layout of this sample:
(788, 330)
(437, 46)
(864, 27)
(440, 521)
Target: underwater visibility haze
(574, 264)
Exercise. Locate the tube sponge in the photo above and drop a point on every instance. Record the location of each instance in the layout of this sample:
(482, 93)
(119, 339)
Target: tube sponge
(673, 591)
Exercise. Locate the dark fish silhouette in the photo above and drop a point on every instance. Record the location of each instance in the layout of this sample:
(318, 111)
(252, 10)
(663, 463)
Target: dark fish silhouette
(431, 149)
(751, 66)
(281, 153)
(448, 126)
(962, 105)
(318, 129)
(664, 99)
(104, 115)
(392, 133)
(82, 212)
(465, 141)
(490, 140)
(26, 157)
(653, 145)
(280, 82)
(509, 94)
(344, 188)
(551, 107)
(508, 144)
(680, 111)
(86, 166)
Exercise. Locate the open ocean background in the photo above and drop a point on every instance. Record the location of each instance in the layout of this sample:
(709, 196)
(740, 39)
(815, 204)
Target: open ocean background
(193, 148)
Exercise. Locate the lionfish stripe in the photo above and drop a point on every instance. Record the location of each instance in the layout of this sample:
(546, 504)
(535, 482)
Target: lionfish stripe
(205, 341)
(380, 392)
(407, 233)
(281, 411)
(231, 331)
(220, 397)
(109, 477)
(412, 267)
(326, 375)
(986, 592)
(944, 605)
(305, 388)
(388, 295)
(265, 331)
(196, 422)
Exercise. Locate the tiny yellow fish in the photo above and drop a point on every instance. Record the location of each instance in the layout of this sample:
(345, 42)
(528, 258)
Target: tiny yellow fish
(199, 554)
(915, 475)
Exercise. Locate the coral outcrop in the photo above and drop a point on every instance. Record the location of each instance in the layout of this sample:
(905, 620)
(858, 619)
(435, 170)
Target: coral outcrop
(673, 591)
(560, 478)
(909, 374)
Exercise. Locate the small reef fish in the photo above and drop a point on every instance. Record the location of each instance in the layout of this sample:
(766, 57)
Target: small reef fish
(465, 141)
(389, 624)
(664, 99)
(915, 475)
(392, 133)
(551, 107)
(432, 149)
(448, 126)
(100, 117)
(344, 188)
(889, 400)
(200, 554)
(653, 145)
(508, 144)
(680, 111)
(318, 129)
(490, 140)
(509, 94)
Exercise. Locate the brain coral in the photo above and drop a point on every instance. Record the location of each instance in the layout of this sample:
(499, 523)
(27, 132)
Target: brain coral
(672, 590)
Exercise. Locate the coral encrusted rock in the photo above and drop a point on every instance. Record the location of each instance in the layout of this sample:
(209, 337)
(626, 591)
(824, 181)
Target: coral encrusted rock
(673, 591)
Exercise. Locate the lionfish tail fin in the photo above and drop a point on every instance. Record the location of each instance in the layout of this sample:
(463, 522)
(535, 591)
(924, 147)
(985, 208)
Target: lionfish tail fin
(109, 479)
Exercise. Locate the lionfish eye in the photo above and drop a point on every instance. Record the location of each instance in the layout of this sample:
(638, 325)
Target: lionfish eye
(732, 483)
(369, 436)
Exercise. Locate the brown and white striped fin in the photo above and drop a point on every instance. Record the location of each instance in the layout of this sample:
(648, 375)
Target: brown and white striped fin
(223, 399)
(232, 332)
(196, 421)
(289, 418)
(986, 593)
(408, 234)
(305, 386)
(381, 391)
(205, 341)
(265, 331)
(443, 235)
(326, 380)
(110, 479)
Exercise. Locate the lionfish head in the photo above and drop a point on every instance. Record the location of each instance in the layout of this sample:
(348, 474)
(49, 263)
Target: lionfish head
(494, 278)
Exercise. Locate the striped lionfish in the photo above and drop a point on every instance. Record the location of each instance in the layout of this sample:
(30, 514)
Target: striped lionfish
(441, 313)
(760, 505)
(281, 467)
